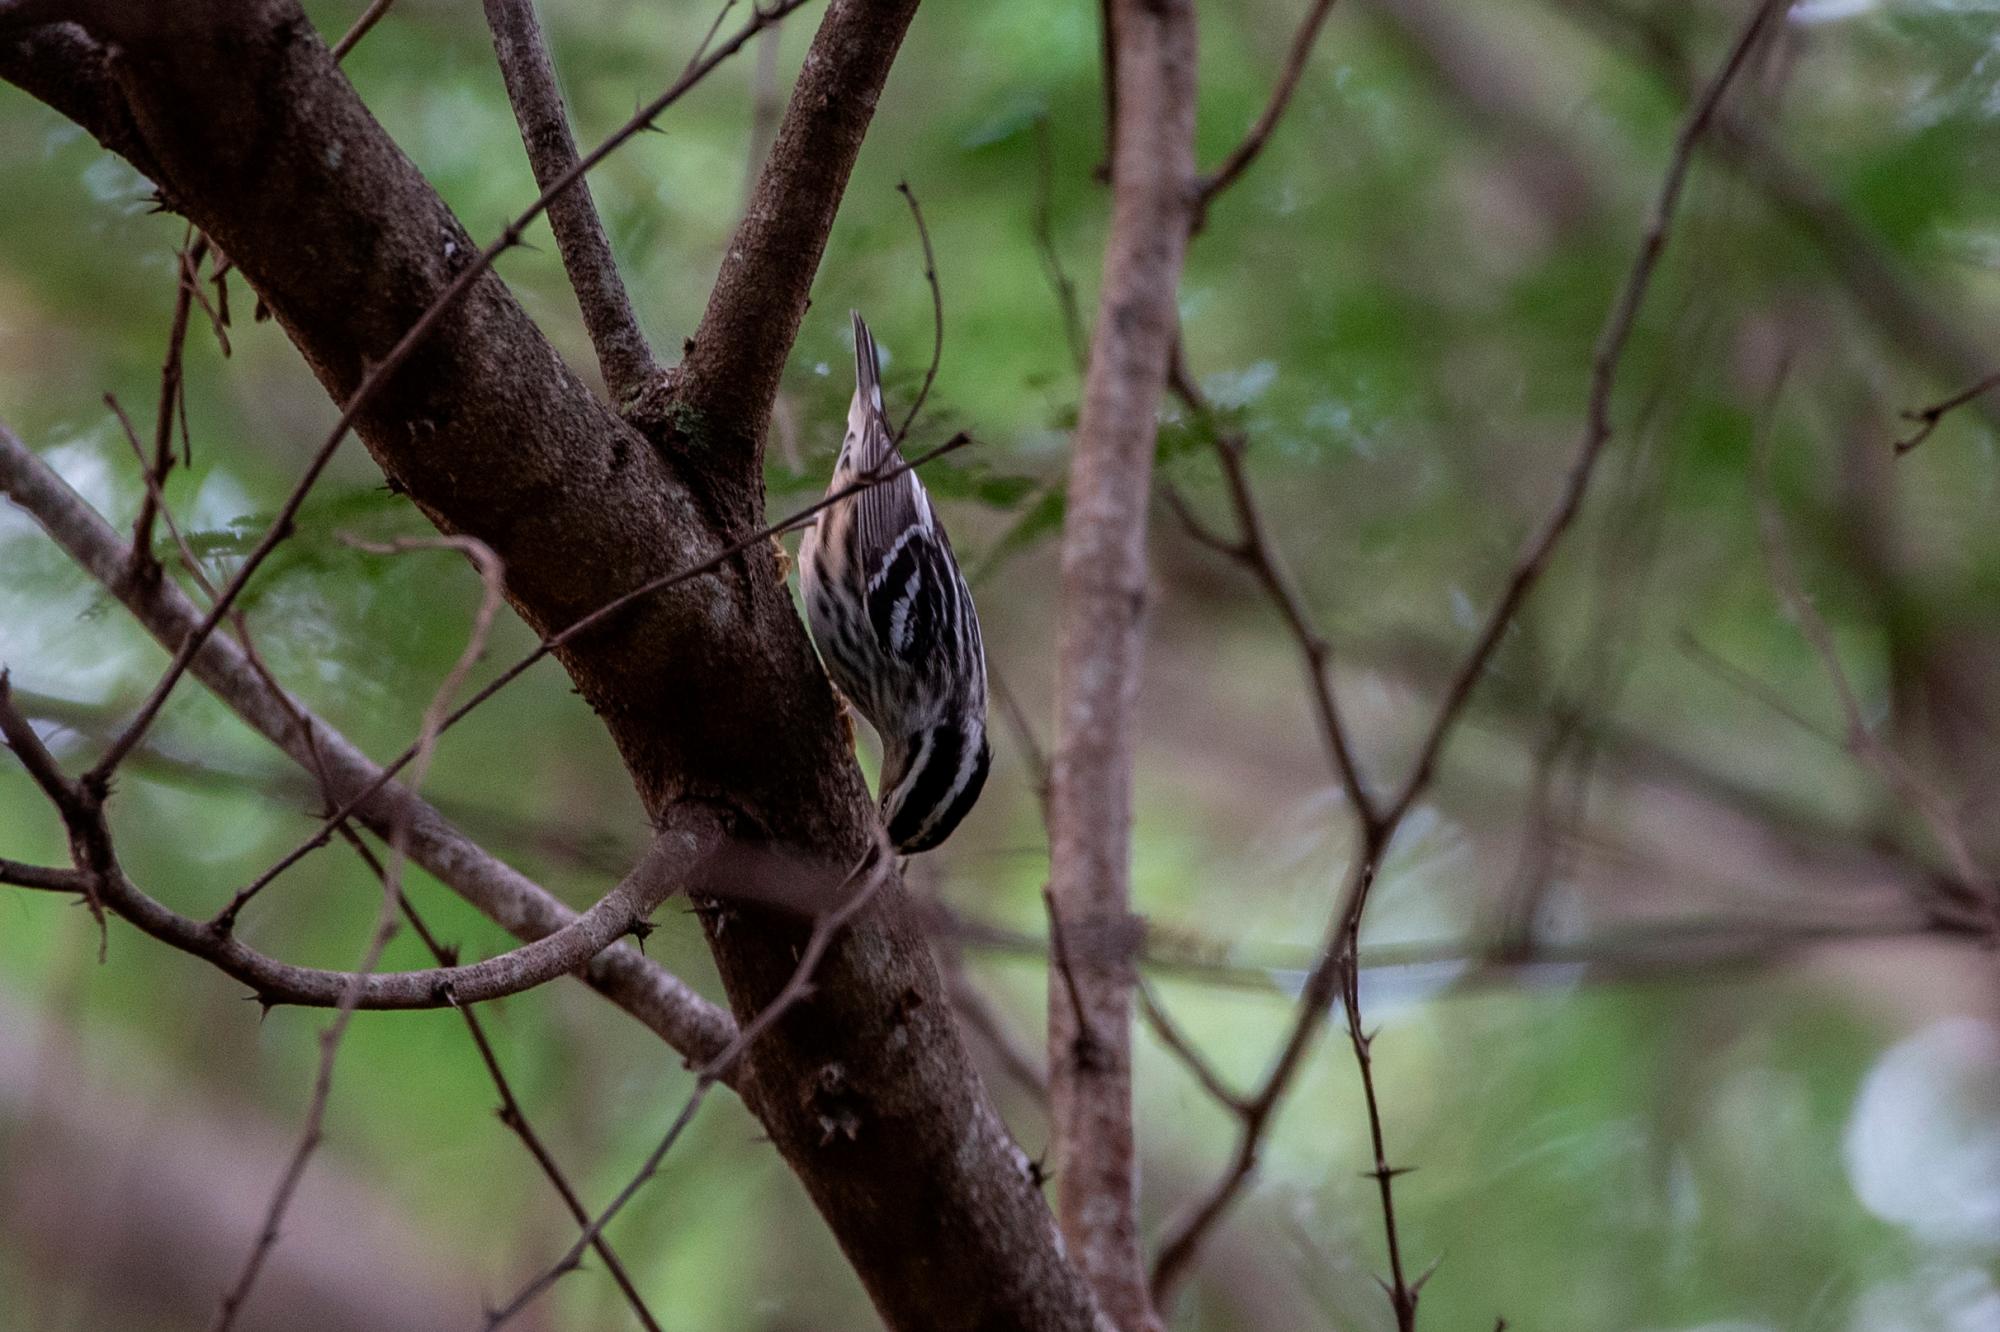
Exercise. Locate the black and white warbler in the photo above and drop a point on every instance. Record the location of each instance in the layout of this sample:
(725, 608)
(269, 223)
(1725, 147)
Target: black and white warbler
(895, 624)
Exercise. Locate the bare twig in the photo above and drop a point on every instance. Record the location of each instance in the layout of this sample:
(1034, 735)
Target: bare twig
(876, 865)
(623, 354)
(1597, 432)
(1929, 804)
(187, 263)
(1042, 221)
(1246, 152)
(1254, 548)
(362, 26)
(583, 625)
(511, 1112)
(937, 310)
(1927, 419)
(1378, 823)
(380, 372)
(79, 803)
(1402, 1292)
(1185, 1050)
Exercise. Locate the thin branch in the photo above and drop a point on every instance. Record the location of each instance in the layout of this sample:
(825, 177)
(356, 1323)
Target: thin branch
(1255, 549)
(1402, 1292)
(79, 803)
(380, 372)
(157, 500)
(1334, 969)
(1246, 152)
(1033, 753)
(583, 625)
(362, 26)
(1605, 361)
(980, 1015)
(876, 864)
(1042, 223)
(623, 354)
(937, 309)
(1926, 420)
(187, 262)
(511, 1112)
(1920, 796)
(1621, 954)
(43, 878)
(1199, 528)
(1183, 1049)
(621, 911)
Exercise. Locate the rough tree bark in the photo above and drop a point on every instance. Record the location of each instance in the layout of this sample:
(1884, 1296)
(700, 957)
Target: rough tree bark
(711, 691)
(1101, 644)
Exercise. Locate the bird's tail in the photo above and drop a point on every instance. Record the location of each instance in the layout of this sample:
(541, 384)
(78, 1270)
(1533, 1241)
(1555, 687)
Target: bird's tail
(867, 363)
(869, 441)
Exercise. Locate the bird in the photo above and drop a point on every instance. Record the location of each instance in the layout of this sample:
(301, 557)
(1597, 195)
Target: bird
(895, 624)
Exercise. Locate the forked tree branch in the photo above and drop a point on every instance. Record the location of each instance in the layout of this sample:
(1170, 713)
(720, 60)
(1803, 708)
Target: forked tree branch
(1244, 153)
(511, 1113)
(676, 855)
(711, 692)
(723, 391)
(873, 873)
(1334, 971)
(683, 1018)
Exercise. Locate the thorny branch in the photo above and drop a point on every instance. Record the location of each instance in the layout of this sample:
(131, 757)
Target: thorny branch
(876, 864)
(511, 1113)
(385, 922)
(685, 1020)
(573, 945)
(187, 265)
(380, 373)
(583, 625)
(1377, 825)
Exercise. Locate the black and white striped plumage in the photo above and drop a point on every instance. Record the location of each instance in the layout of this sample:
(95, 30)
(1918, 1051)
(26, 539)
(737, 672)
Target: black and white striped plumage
(895, 624)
